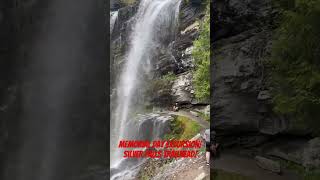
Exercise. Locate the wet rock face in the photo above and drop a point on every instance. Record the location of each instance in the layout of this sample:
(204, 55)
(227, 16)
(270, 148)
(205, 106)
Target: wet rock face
(117, 4)
(238, 82)
(174, 57)
(232, 17)
(119, 38)
(178, 59)
(114, 4)
(123, 22)
(240, 90)
(188, 31)
(150, 126)
(164, 62)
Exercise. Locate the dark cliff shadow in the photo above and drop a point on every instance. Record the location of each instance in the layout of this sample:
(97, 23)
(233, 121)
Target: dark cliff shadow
(61, 128)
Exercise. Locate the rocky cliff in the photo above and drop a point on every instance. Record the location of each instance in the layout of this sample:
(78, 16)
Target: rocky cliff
(242, 109)
(241, 90)
(170, 79)
(176, 60)
(241, 40)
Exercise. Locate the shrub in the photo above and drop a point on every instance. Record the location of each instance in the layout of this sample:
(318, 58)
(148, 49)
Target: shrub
(295, 60)
(183, 128)
(201, 55)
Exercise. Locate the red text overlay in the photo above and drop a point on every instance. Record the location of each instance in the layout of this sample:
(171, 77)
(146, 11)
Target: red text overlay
(160, 148)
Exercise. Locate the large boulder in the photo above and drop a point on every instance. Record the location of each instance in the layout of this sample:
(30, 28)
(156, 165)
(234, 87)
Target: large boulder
(311, 154)
(288, 149)
(182, 89)
(268, 164)
(149, 126)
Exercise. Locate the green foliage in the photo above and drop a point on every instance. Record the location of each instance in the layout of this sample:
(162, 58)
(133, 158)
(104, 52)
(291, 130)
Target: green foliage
(183, 128)
(204, 116)
(127, 2)
(170, 77)
(295, 61)
(201, 55)
(163, 82)
(202, 150)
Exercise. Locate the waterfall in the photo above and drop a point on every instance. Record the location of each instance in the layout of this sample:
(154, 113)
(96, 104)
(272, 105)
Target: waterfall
(154, 25)
(113, 19)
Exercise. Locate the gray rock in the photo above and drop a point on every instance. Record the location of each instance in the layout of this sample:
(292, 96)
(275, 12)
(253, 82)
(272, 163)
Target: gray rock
(164, 62)
(233, 16)
(252, 141)
(181, 88)
(194, 113)
(272, 125)
(149, 126)
(124, 21)
(236, 80)
(311, 154)
(117, 4)
(186, 60)
(264, 95)
(268, 164)
(206, 111)
(288, 149)
(202, 176)
(196, 1)
(244, 85)
(189, 13)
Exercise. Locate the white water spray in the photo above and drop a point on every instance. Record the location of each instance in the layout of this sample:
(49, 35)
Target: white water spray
(113, 19)
(155, 20)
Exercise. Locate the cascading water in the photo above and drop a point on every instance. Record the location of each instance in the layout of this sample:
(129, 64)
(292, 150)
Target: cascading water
(113, 19)
(154, 27)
